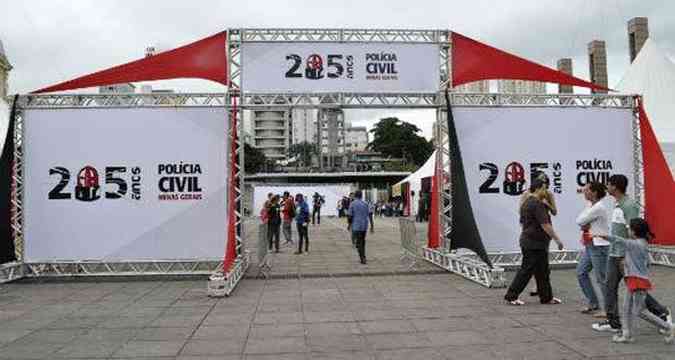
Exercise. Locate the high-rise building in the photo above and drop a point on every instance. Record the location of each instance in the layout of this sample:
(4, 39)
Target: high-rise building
(127, 88)
(356, 138)
(303, 126)
(597, 62)
(482, 86)
(331, 127)
(271, 132)
(638, 32)
(5, 68)
(565, 65)
(521, 87)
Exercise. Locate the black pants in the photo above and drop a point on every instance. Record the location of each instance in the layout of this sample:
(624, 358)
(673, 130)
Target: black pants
(360, 238)
(614, 277)
(372, 223)
(535, 262)
(273, 236)
(302, 234)
(316, 211)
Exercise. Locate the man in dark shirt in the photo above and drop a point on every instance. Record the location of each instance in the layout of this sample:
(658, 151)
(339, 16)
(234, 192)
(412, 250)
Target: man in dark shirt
(535, 237)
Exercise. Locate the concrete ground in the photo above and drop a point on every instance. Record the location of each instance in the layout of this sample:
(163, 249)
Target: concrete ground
(334, 316)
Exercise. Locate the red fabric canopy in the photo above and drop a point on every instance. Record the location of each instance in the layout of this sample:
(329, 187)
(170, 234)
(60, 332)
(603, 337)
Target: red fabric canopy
(659, 186)
(474, 61)
(433, 228)
(203, 59)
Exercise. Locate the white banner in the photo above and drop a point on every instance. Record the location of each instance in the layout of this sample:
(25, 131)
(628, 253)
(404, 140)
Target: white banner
(331, 194)
(340, 67)
(139, 183)
(502, 146)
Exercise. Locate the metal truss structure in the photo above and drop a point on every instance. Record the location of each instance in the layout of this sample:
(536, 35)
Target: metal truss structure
(11, 271)
(664, 256)
(468, 267)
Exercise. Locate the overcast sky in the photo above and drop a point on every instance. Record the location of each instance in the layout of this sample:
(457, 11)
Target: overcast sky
(52, 41)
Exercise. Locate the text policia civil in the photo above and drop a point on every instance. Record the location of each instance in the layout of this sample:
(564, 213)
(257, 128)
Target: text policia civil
(179, 181)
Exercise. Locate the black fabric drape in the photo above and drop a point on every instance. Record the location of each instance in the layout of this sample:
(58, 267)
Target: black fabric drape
(465, 232)
(7, 253)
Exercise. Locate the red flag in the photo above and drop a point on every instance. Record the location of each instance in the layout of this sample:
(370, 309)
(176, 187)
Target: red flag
(659, 186)
(474, 61)
(203, 59)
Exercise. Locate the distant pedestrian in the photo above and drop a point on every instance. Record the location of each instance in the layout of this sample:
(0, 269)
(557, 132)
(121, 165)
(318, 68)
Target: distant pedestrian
(371, 209)
(358, 214)
(288, 214)
(274, 222)
(301, 221)
(317, 203)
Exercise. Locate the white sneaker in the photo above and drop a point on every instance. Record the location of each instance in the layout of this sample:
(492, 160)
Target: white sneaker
(605, 327)
(622, 339)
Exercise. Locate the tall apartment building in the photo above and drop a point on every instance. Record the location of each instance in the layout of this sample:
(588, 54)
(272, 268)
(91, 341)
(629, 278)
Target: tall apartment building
(356, 138)
(303, 126)
(597, 62)
(5, 68)
(521, 87)
(565, 65)
(482, 86)
(331, 127)
(638, 32)
(271, 132)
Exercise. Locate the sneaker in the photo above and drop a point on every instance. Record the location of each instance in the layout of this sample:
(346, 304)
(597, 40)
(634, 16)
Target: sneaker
(605, 327)
(622, 339)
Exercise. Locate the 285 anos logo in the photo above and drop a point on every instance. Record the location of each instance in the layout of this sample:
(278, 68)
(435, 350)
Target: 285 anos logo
(515, 177)
(314, 67)
(87, 185)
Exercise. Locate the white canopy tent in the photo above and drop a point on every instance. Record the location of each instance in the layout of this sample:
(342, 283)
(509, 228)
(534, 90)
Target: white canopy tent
(4, 121)
(415, 179)
(652, 74)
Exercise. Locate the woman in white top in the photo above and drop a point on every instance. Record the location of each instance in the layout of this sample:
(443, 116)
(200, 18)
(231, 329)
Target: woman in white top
(594, 219)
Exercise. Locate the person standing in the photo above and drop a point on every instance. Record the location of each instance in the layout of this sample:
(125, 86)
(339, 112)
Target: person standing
(624, 211)
(636, 274)
(358, 214)
(301, 221)
(288, 214)
(594, 219)
(274, 222)
(317, 202)
(537, 232)
(371, 209)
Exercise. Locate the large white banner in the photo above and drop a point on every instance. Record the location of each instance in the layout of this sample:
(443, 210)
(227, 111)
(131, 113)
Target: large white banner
(331, 194)
(501, 147)
(340, 67)
(141, 183)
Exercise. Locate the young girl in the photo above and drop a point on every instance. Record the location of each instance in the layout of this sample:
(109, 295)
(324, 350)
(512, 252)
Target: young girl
(636, 275)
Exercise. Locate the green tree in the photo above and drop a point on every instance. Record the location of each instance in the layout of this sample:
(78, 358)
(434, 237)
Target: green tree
(304, 152)
(254, 160)
(396, 138)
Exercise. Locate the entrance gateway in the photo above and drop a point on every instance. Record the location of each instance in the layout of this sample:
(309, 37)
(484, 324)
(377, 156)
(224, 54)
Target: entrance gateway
(299, 68)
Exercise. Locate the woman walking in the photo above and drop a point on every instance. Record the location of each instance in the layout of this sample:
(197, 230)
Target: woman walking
(274, 222)
(535, 238)
(594, 219)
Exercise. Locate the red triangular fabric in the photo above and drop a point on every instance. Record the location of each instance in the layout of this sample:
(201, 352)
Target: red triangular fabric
(659, 185)
(433, 235)
(203, 59)
(231, 240)
(474, 61)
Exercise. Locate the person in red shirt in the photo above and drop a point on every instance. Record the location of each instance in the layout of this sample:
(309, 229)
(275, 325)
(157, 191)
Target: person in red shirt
(287, 216)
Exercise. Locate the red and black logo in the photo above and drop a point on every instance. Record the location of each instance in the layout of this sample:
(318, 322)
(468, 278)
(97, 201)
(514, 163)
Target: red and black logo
(515, 177)
(334, 67)
(88, 183)
(87, 188)
(314, 69)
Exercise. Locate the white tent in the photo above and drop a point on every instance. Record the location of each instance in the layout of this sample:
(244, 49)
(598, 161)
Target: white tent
(415, 179)
(652, 74)
(4, 121)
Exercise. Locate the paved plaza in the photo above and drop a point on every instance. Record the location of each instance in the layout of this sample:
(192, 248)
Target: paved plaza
(334, 313)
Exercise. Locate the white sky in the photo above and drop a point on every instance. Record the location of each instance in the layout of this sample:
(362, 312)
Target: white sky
(51, 41)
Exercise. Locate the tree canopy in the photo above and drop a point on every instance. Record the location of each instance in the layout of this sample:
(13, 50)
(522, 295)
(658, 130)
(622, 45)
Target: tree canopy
(399, 139)
(254, 160)
(304, 152)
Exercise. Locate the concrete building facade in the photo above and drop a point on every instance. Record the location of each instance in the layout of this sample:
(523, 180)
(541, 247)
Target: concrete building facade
(520, 87)
(482, 86)
(638, 32)
(356, 138)
(5, 68)
(597, 62)
(565, 65)
(271, 132)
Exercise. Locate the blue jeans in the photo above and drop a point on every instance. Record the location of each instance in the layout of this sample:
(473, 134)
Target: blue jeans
(593, 258)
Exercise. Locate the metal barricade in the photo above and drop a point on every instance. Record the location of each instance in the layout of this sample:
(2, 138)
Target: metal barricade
(409, 249)
(264, 261)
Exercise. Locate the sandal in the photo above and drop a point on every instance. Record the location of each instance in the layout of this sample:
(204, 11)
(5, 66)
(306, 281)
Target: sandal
(516, 302)
(553, 301)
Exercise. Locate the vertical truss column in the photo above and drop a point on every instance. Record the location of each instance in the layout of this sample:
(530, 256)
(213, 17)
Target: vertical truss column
(443, 168)
(17, 187)
(236, 134)
(638, 184)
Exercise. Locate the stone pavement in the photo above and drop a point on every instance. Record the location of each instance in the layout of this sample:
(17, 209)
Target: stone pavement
(331, 252)
(414, 316)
